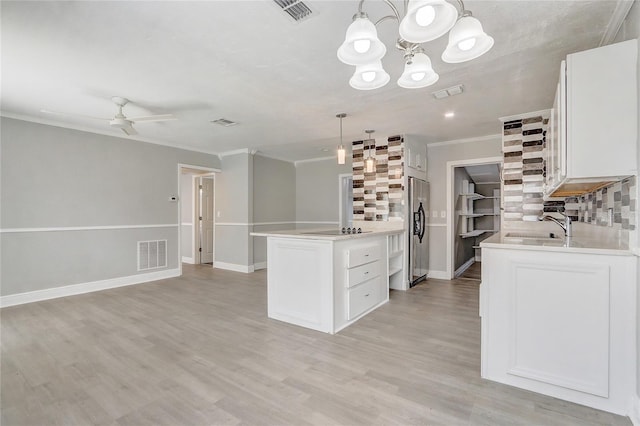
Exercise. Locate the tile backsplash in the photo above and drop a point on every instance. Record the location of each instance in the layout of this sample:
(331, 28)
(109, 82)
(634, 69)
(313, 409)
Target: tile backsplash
(378, 196)
(617, 200)
(523, 146)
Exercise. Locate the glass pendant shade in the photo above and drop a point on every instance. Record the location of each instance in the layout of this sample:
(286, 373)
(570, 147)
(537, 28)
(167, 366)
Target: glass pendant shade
(370, 165)
(361, 44)
(419, 73)
(427, 20)
(342, 154)
(369, 76)
(467, 41)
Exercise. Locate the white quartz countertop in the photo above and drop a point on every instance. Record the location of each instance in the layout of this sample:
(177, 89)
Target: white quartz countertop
(320, 234)
(539, 241)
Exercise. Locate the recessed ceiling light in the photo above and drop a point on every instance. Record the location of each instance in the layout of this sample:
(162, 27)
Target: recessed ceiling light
(449, 114)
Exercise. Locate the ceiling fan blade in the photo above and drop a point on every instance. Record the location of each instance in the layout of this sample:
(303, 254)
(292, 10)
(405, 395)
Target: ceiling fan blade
(64, 114)
(129, 131)
(149, 118)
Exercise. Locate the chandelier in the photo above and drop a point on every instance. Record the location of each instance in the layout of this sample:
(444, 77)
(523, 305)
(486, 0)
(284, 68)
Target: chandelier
(424, 20)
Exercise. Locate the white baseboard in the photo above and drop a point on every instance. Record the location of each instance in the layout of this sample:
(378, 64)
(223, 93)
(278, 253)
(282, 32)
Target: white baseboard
(234, 267)
(464, 267)
(439, 275)
(259, 265)
(70, 290)
(634, 410)
(188, 260)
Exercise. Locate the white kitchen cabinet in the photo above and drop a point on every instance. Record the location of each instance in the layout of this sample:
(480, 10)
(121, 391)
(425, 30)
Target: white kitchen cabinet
(415, 157)
(325, 284)
(561, 324)
(592, 134)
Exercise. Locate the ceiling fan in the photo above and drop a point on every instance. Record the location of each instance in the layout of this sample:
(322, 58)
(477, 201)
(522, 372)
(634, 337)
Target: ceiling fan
(120, 121)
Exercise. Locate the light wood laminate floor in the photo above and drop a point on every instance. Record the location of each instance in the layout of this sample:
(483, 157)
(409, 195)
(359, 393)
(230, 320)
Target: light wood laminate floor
(200, 350)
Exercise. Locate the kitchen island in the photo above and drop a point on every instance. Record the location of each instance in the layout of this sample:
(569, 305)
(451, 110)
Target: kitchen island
(558, 315)
(324, 280)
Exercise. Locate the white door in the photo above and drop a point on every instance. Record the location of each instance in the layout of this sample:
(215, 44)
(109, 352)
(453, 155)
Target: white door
(206, 219)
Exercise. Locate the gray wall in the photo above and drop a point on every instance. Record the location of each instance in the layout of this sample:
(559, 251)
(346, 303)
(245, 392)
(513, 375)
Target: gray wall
(317, 191)
(631, 29)
(437, 158)
(234, 203)
(186, 201)
(53, 177)
(274, 200)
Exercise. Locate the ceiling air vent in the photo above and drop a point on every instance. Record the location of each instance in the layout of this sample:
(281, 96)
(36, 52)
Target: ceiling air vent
(295, 8)
(224, 122)
(451, 91)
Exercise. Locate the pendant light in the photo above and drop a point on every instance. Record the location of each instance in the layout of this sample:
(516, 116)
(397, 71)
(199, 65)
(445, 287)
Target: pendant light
(467, 40)
(418, 71)
(342, 153)
(369, 76)
(361, 44)
(427, 20)
(423, 21)
(370, 162)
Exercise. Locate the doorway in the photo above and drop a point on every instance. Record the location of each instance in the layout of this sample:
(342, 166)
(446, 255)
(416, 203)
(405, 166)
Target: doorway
(204, 219)
(474, 189)
(196, 236)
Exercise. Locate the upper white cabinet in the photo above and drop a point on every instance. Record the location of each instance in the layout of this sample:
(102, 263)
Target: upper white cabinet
(592, 136)
(415, 157)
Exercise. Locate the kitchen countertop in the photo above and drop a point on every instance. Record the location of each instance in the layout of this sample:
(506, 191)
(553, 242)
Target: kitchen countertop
(308, 234)
(519, 240)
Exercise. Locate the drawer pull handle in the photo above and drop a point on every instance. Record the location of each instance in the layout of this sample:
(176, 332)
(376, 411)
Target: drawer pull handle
(366, 255)
(366, 295)
(366, 272)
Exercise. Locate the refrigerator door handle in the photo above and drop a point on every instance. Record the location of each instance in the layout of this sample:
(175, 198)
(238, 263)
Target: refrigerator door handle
(423, 219)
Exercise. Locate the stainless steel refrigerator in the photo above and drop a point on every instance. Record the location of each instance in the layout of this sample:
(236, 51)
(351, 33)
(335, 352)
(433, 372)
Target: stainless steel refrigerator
(418, 201)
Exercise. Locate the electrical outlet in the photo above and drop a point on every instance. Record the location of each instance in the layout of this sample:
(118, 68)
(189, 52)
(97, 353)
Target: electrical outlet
(434, 213)
(443, 213)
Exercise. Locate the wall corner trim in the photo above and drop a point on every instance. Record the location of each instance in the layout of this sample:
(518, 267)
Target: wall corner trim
(259, 265)
(634, 410)
(82, 288)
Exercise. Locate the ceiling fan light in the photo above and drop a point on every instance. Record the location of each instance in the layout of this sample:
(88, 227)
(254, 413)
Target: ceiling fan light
(427, 20)
(361, 44)
(419, 73)
(370, 76)
(467, 41)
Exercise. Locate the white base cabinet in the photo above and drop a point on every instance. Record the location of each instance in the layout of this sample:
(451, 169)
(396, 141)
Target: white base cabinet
(326, 285)
(561, 324)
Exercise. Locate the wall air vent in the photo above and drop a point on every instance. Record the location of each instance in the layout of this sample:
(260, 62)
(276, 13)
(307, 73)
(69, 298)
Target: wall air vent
(295, 8)
(450, 91)
(224, 122)
(152, 254)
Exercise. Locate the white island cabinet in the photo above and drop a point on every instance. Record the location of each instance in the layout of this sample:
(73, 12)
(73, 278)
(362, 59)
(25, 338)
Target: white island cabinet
(326, 282)
(559, 319)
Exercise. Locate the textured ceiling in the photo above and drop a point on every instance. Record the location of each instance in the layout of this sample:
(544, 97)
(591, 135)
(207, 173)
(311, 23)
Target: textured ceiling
(281, 81)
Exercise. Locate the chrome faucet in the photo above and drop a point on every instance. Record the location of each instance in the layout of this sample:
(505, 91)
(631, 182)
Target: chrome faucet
(566, 226)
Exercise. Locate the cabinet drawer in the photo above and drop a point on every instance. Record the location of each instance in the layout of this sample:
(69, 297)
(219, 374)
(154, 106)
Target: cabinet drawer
(362, 255)
(363, 297)
(362, 273)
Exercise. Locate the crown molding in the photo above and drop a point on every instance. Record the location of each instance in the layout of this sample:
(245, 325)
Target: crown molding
(497, 136)
(546, 113)
(52, 123)
(311, 160)
(617, 18)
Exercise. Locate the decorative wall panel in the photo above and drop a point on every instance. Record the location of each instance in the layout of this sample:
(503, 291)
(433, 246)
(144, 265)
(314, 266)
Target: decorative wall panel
(378, 196)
